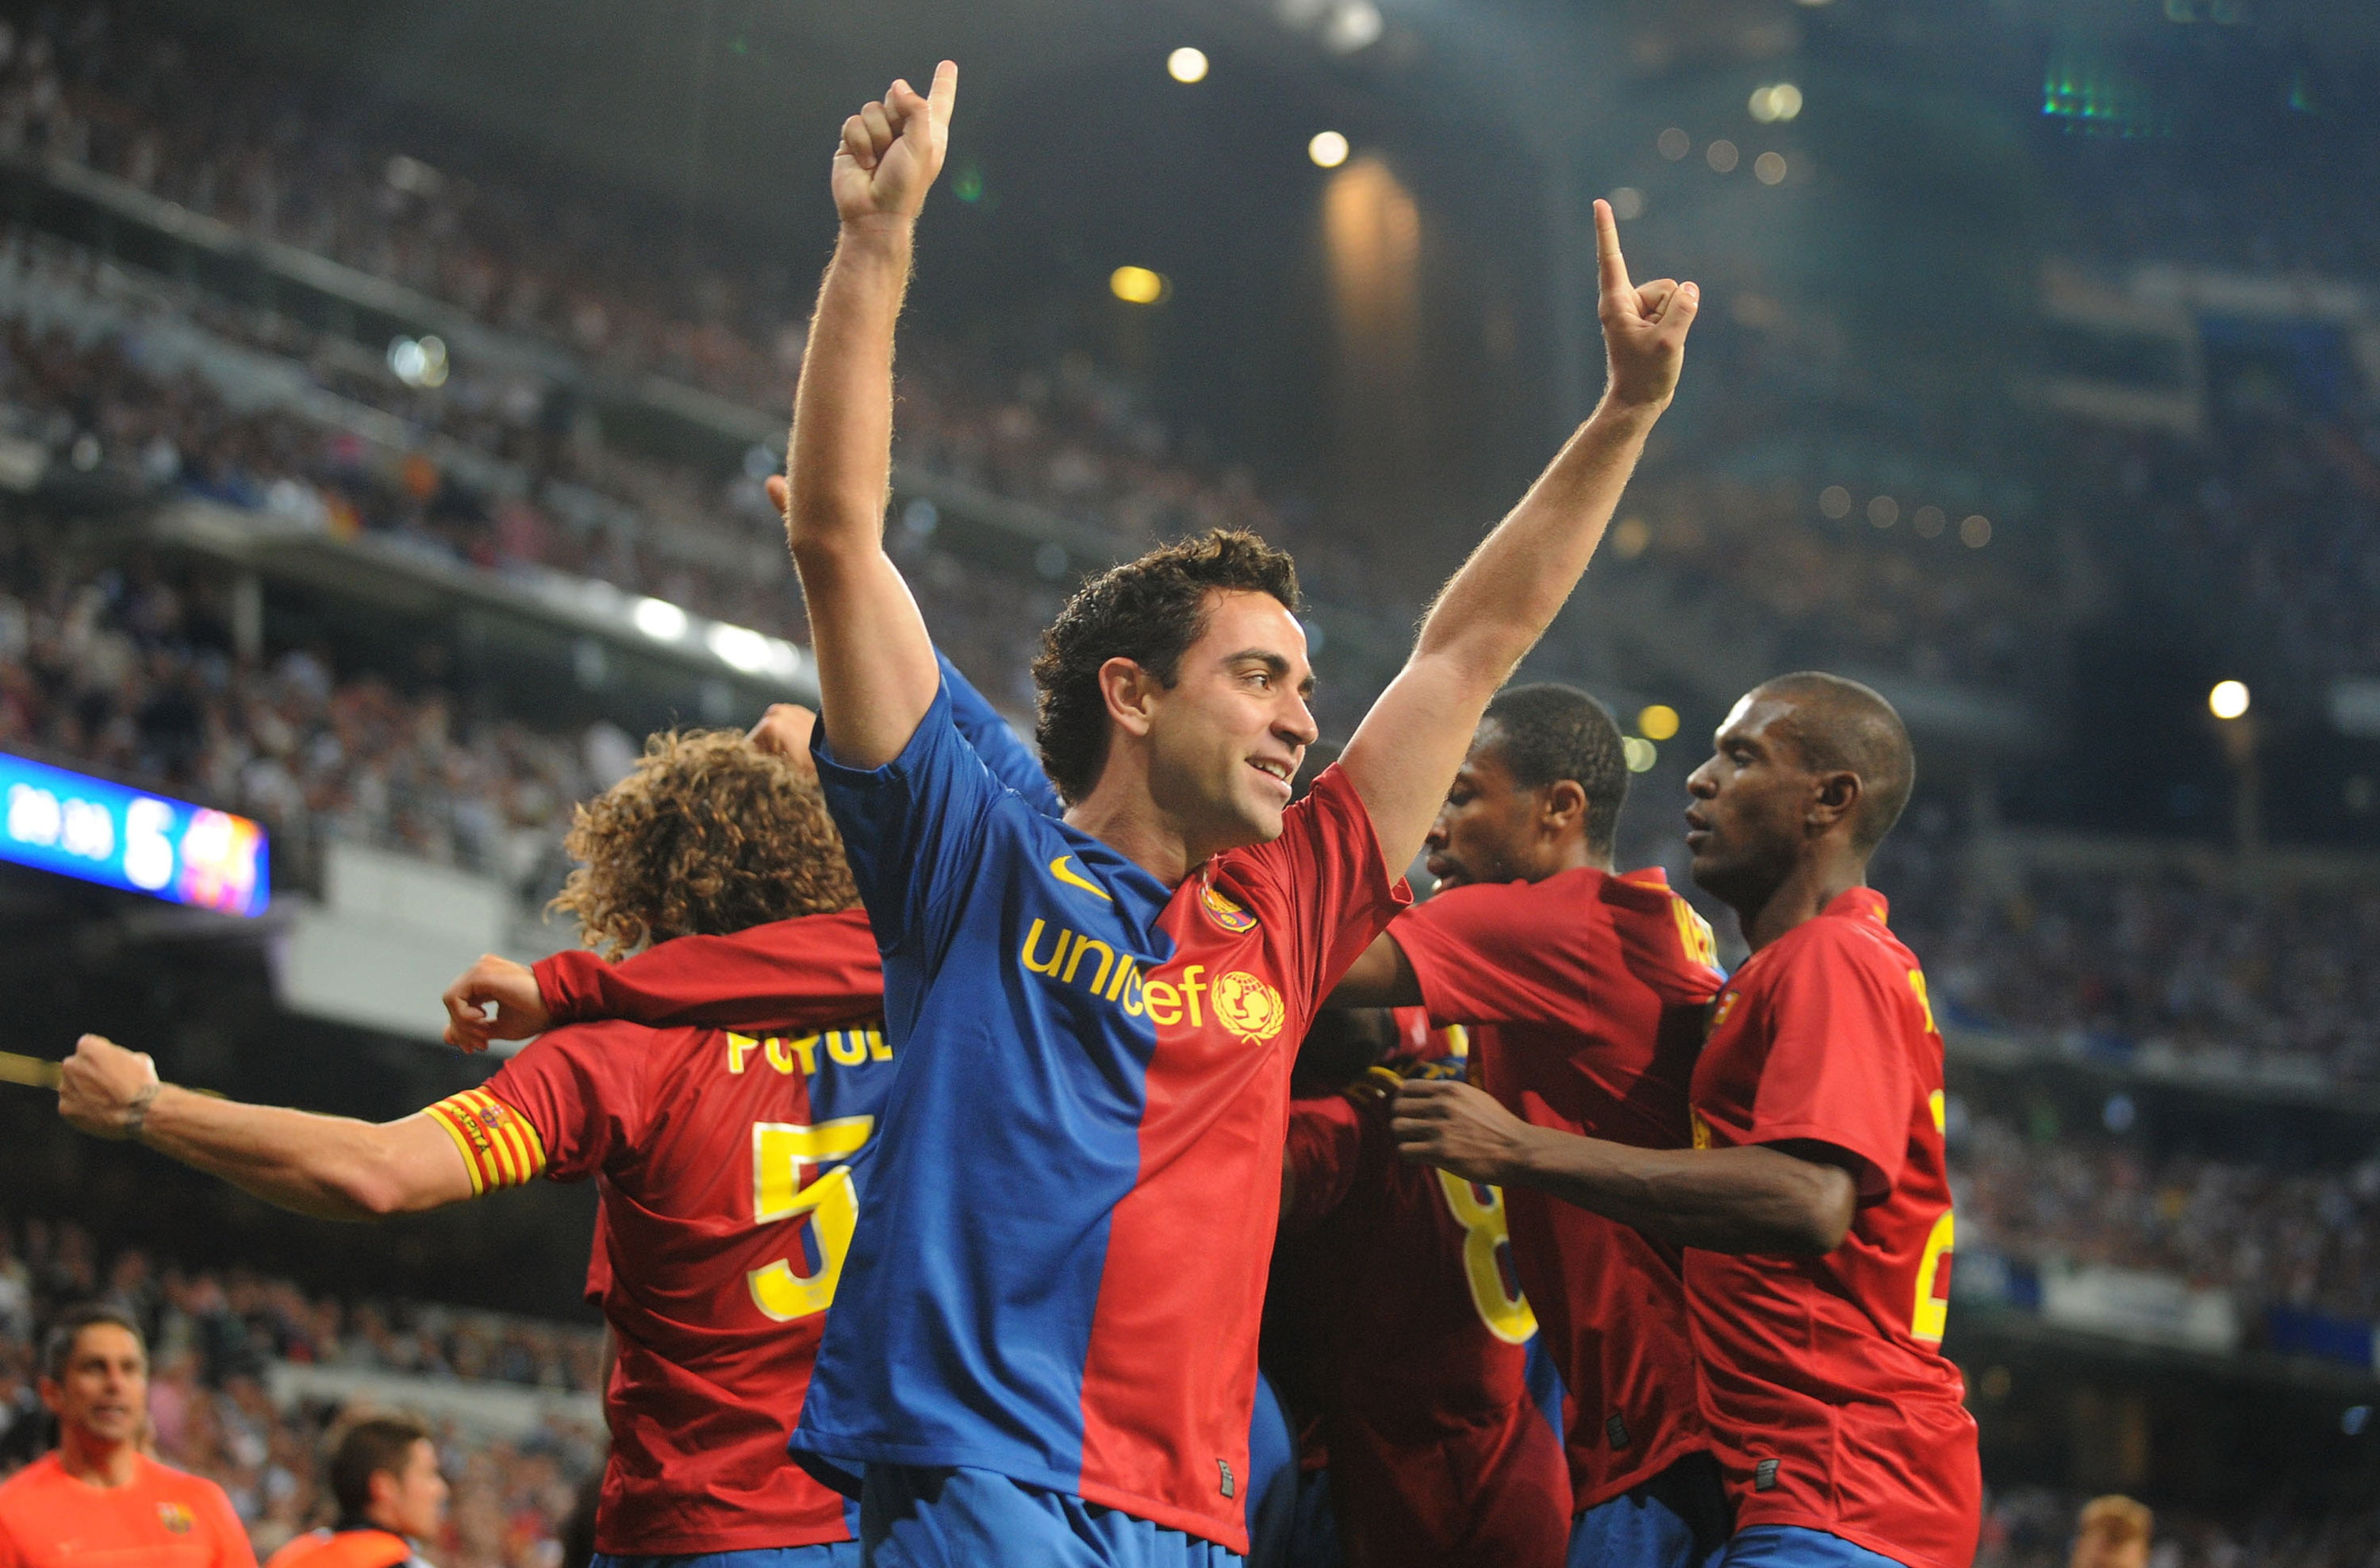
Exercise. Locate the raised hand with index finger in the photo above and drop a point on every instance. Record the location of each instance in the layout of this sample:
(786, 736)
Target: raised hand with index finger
(892, 149)
(1644, 325)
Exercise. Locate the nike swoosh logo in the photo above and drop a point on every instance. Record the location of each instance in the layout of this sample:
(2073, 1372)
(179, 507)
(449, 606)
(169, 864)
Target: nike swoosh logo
(1064, 872)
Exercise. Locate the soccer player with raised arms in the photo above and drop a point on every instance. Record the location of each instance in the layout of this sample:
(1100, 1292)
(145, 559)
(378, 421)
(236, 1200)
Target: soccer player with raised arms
(1044, 1348)
(1814, 1207)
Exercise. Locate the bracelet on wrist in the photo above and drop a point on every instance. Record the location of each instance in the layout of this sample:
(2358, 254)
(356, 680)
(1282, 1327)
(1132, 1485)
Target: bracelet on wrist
(136, 1115)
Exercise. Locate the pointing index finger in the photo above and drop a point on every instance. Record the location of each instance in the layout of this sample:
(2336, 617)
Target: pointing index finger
(944, 94)
(1609, 262)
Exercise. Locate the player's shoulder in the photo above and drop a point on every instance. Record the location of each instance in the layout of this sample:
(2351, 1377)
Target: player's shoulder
(34, 1478)
(1849, 937)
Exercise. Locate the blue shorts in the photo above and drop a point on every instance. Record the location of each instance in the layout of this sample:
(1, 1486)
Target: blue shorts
(1795, 1545)
(917, 1517)
(1677, 1519)
(835, 1554)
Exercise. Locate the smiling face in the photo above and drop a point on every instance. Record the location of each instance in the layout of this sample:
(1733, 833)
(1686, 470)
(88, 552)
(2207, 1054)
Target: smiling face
(1226, 738)
(1749, 819)
(104, 1397)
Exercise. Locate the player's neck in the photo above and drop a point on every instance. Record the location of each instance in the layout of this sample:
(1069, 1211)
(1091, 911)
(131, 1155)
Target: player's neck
(96, 1463)
(1139, 831)
(1814, 883)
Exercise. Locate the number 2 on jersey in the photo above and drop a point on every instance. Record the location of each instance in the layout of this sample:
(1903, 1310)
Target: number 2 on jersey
(780, 1150)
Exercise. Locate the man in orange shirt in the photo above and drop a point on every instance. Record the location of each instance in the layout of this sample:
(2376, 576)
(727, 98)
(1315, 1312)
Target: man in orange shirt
(98, 1502)
(384, 1475)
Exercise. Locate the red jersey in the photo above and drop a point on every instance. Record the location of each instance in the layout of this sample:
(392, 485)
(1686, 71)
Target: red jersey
(1585, 995)
(728, 1166)
(1402, 1336)
(164, 1518)
(1830, 1401)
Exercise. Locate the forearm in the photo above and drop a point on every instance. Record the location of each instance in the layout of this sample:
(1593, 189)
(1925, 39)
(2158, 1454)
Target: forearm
(1738, 1201)
(328, 1167)
(839, 461)
(1494, 610)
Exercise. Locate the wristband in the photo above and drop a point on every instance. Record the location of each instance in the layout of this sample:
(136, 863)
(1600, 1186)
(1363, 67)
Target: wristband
(137, 1114)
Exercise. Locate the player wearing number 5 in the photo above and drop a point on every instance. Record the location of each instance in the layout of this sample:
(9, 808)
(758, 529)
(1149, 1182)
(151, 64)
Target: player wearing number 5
(1814, 1207)
(726, 1162)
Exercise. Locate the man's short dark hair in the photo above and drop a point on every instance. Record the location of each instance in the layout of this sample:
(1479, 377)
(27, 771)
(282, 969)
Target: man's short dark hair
(1546, 732)
(374, 1445)
(1839, 726)
(58, 1345)
(1148, 610)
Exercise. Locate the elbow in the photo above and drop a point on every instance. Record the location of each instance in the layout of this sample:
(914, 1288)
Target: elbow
(1824, 1213)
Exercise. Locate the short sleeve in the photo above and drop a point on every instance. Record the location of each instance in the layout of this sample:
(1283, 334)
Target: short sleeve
(1499, 953)
(813, 972)
(1011, 761)
(913, 828)
(582, 1089)
(1837, 1070)
(232, 1547)
(1324, 875)
(1326, 1144)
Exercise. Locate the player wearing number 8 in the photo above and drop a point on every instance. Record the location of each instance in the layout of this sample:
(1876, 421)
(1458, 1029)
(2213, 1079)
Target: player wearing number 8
(1814, 1207)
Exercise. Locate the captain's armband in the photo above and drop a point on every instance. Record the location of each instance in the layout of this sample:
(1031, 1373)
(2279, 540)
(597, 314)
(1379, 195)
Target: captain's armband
(500, 1146)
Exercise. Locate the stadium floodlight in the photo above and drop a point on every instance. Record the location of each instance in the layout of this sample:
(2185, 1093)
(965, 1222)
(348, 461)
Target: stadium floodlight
(1640, 753)
(659, 619)
(1137, 285)
(1329, 148)
(2228, 699)
(1658, 722)
(1187, 65)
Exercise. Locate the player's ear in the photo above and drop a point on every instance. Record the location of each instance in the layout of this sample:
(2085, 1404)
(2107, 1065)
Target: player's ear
(1130, 693)
(1834, 799)
(1561, 805)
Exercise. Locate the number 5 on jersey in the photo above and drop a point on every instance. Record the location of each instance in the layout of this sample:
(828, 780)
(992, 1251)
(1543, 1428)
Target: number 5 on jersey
(780, 1153)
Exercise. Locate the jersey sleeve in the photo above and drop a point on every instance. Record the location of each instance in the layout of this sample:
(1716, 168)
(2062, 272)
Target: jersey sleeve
(913, 829)
(1326, 1144)
(1324, 875)
(811, 973)
(232, 1547)
(1837, 1070)
(1498, 952)
(572, 1098)
(1011, 761)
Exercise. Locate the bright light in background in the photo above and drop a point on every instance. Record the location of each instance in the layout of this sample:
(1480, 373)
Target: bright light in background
(1658, 722)
(1136, 285)
(1627, 202)
(1721, 156)
(659, 619)
(1187, 65)
(1769, 168)
(419, 363)
(1770, 104)
(1975, 531)
(1641, 753)
(2228, 699)
(1674, 144)
(1329, 148)
(1353, 24)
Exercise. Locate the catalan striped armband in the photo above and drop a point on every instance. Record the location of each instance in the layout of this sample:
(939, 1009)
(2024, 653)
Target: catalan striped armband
(500, 1146)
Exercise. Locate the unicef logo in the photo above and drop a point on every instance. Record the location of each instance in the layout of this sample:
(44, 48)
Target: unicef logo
(1248, 1007)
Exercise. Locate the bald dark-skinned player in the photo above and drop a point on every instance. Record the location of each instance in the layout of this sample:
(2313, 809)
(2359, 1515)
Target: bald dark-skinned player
(1814, 1207)
(1584, 993)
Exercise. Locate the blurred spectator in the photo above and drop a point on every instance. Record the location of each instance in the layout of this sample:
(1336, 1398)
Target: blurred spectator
(384, 1479)
(2113, 1532)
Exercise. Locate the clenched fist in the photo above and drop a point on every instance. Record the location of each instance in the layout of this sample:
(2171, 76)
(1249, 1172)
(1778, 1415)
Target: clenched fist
(101, 1086)
(893, 150)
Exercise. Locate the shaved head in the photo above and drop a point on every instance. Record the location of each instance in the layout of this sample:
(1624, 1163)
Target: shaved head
(1839, 726)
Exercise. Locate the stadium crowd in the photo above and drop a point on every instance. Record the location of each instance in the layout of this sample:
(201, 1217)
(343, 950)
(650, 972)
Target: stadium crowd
(1066, 436)
(213, 1336)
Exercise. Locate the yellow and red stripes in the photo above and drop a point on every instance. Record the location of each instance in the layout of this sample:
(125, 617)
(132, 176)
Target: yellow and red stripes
(500, 1146)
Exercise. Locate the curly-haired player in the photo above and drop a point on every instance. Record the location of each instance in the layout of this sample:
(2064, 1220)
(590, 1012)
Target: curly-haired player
(729, 1163)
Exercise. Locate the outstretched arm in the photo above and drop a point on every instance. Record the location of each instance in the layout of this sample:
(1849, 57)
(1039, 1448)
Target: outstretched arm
(1762, 1199)
(877, 674)
(329, 1167)
(1500, 602)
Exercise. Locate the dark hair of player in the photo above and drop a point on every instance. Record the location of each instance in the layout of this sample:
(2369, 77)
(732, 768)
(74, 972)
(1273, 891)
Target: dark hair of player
(1148, 610)
(375, 1446)
(58, 1345)
(1839, 726)
(1545, 732)
(708, 835)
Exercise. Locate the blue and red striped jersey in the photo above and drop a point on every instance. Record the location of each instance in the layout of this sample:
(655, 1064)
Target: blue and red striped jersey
(1058, 1270)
